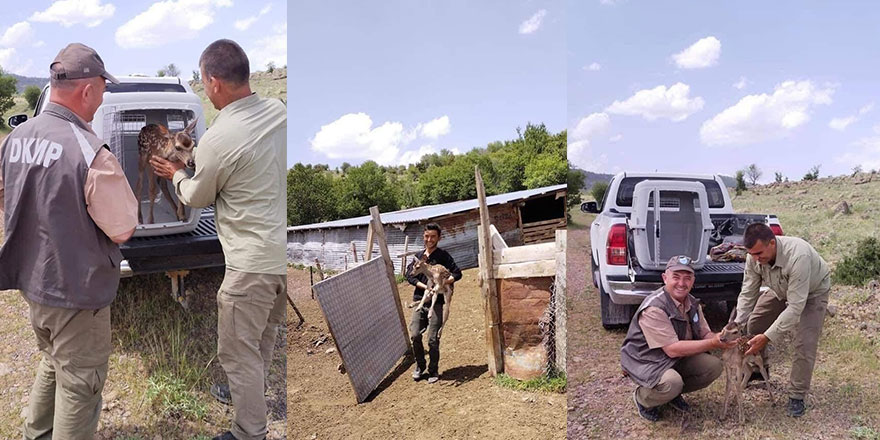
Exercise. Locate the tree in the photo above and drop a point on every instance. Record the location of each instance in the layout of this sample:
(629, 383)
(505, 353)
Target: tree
(270, 66)
(310, 195)
(813, 174)
(32, 94)
(778, 177)
(362, 187)
(753, 173)
(740, 182)
(544, 170)
(856, 170)
(197, 75)
(169, 70)
(598, 191)
(7, 94)
(575, 185)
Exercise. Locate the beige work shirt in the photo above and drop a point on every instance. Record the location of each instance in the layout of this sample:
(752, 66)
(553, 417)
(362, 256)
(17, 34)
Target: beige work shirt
(658, 329)
(241, 167)
(798, 273)
(110, 202)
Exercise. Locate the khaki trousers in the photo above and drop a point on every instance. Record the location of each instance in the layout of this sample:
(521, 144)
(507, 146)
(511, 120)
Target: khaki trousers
(65, 400)
(689, 374)
(250, 307)
(806, 338)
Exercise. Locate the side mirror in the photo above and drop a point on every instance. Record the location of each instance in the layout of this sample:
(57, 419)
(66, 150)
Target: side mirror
(17, 120)
(590, 207)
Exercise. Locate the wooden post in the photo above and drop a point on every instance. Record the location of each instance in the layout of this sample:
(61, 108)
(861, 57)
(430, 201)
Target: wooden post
(368, 255)
(354, 252)
(403, 258)
(298, 314)
(383, 249)
(560, 300)
(487, 284)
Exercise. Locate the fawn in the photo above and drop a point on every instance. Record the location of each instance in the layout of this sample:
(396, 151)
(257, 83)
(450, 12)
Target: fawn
(738, 366)
(156, 140)
(437, 276)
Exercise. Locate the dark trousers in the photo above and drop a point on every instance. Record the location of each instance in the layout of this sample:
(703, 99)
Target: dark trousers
(417, 326)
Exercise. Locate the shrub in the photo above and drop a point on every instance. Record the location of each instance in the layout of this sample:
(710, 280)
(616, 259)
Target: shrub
(861, 266)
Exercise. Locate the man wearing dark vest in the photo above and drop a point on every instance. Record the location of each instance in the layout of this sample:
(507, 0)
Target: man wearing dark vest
(420, 321)
(665, 350)
(241, 167)
(799, 283)
(66, 205)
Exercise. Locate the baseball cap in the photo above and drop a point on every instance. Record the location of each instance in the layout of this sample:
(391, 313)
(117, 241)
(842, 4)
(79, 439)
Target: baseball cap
(79, 61)
(680, 262)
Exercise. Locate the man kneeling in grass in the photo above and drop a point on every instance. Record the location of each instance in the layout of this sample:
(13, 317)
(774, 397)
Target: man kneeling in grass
(664, 352)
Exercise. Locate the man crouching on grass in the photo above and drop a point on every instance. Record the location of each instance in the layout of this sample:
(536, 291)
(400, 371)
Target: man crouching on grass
(664, 352)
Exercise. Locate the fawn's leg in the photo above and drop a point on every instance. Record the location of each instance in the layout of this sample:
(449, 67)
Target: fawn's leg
(760, 362)
(176, 207)
(727, 380)
(139, 188)
(152, 195)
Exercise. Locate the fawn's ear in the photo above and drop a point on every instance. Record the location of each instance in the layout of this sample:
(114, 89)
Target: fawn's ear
(732, 315)
(192, 126)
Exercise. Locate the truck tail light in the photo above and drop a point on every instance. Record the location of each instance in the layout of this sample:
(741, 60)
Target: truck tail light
(616, 248)
(777, 229)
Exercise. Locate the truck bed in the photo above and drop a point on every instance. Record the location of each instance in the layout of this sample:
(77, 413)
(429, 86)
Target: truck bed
(192, 250)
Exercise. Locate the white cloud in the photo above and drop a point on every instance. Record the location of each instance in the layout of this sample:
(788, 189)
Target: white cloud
(594, 67)
(757, 118)
(353, 136)
(11, 62)
(867, 154)
(672, 103)
(168, 21)
(616, 138)
(246, 23)
(841, 123)
(532, 24)
(580, 151)
(741, 84)
(270, 48)
(703, 53)
(17, 35)
(70, 12)
(435, 127)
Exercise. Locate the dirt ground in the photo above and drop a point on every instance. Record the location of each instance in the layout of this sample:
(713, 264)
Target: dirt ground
(464, 404)
(151, 334)
(600, 401)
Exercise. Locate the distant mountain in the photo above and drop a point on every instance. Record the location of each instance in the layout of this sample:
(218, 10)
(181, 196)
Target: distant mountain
(590, 178)
(23, 81)
(729, 181)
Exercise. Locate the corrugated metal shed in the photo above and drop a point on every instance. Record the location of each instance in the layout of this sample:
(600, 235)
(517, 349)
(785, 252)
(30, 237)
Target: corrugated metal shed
(432, 211)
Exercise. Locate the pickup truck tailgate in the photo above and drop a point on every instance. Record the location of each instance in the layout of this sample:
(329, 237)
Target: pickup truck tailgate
(192, 250)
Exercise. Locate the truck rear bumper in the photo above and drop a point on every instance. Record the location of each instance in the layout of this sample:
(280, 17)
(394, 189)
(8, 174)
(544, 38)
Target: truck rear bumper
(714, 282)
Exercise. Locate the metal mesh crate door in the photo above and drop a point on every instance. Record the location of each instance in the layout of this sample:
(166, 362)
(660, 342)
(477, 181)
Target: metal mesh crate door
(361, 312)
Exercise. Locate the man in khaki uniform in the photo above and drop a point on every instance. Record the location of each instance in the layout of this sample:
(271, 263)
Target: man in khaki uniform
(664, 352)
(799, 282)
(241, 166)
(57, 177)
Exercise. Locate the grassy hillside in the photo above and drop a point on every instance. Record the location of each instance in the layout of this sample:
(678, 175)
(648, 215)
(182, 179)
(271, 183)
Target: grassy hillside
(807, 210)
(265, 84)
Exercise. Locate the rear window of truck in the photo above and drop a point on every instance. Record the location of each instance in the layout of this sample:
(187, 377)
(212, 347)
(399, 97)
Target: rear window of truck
(628, 185)
(144, 87)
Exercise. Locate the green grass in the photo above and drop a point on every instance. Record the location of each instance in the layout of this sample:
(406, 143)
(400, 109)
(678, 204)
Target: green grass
(864, 433)
(172, 397)
(554, 383)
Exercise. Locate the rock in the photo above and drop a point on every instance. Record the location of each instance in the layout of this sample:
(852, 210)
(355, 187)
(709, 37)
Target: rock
(873, 285)
(831, 310)
(340, 368)
(802, 192)
(843, 208)
(863, 326)
(5, 369)
(330, 350)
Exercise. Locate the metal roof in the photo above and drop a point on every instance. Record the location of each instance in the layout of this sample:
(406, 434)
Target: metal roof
(431, 211)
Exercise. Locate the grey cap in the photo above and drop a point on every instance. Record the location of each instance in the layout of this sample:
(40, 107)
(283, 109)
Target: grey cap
(79, 61)
(680, 262)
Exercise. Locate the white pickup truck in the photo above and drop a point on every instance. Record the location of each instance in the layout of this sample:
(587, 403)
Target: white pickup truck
(645, 219)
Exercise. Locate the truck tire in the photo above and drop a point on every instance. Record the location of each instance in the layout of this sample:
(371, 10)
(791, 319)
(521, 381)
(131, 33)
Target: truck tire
(614, 316)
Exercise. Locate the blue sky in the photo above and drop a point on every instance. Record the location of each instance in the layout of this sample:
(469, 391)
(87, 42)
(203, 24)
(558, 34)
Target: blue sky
(390, 80)
(710, 86)
(140, 36)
